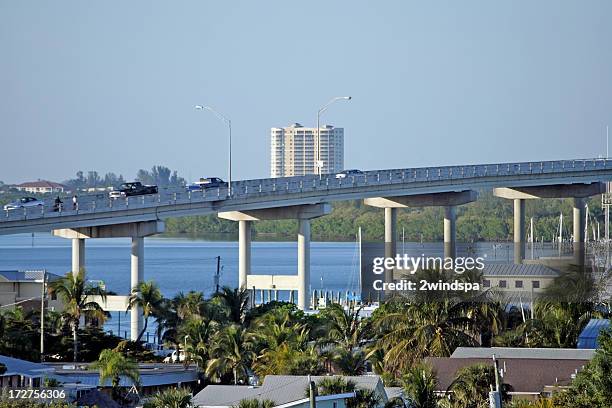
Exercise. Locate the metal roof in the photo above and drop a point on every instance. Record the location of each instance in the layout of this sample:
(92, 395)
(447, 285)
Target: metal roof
(588, 337)
(16, 366)
(26, 276)
(281, 389)
(518, 270)
(523, 353)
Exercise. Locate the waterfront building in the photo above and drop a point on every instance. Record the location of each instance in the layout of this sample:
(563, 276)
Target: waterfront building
(299, 151)
(288, 391)
(23, 288)
(41, 187)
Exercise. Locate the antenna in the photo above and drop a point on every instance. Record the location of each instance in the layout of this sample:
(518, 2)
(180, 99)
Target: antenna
(607, 143)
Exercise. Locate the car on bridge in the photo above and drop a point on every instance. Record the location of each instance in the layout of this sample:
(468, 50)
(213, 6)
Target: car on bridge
(347, 173)
(206, 183)
(24, 202)
(134, 188)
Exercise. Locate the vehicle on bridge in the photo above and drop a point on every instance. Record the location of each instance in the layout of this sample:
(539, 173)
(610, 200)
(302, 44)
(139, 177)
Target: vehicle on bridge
(135, 188)
(346, 173)
(206, 183)
(24, 202)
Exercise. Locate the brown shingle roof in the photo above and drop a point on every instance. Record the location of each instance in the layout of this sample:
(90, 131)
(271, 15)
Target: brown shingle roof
(522, 375)
(41, 183)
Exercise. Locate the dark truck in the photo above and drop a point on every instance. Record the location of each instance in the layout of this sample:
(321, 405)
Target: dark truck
(135, 188)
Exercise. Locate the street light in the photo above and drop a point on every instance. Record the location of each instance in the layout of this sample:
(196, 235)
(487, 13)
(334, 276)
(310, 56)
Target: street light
(319, 112)
(229, 126)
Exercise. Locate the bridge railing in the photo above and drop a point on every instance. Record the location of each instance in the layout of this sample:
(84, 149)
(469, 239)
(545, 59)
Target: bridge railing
(100, 202)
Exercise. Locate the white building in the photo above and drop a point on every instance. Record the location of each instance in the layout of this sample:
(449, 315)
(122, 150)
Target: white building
(41, 186)
(296, 150)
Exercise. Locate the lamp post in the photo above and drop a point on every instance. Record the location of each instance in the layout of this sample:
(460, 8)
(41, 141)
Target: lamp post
(229, 126)
(319, 112)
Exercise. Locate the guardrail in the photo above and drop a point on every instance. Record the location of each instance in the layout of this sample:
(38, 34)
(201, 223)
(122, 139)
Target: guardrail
(100, 202)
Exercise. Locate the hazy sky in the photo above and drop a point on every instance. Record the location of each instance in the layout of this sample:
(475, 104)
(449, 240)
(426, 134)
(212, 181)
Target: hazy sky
(111, 86)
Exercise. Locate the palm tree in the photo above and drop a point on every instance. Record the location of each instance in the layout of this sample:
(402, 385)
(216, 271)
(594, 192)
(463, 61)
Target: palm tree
(75, 293)
(170, 398)
(332, 385)
(199, 332)
(420, 387)
(254, 403)
(411, 331)
(344, 329)
(112, 366)
(470, 388)
(236, 301)
(148, 297)
(231, 353)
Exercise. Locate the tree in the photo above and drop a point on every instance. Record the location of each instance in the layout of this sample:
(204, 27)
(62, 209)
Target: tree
(148, 297)
(419, 385)
(231, 354)
(170, 398)
(112, 365)
(592, 387)
(236, 301)
(470, 388)
(74, 292)
(254, 403)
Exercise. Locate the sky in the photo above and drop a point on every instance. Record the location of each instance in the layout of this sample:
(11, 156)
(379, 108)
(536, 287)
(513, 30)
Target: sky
(110, 86)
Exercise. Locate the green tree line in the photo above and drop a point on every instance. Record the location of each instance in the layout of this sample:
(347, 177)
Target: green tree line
(487, 219)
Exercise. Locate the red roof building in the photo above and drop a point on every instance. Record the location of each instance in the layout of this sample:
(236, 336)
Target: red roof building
(41, 186)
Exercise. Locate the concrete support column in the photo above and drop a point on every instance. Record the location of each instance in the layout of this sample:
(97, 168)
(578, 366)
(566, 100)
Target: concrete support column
(244, 252)
(519, 230)
(78, 254)
(450, 232)
(390, 238)
(137, 276)
(303, 263)
(579, 220)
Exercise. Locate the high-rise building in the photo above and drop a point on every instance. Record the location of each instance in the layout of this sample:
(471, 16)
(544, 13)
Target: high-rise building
(300, 151)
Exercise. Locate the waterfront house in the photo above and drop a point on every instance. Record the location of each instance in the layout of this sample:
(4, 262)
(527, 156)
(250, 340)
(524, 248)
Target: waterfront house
(42, 187)
(286, 391)
(23, 288)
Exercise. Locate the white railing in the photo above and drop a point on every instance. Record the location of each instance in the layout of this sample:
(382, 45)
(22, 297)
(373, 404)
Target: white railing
(100, 202)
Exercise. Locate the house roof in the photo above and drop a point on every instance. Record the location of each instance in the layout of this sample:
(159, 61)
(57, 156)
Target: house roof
(41, 183)
(524, 376)
(16, 366)
(282, 389)
(495, 269)
(526, 353)
(26, 276)
(588, 336)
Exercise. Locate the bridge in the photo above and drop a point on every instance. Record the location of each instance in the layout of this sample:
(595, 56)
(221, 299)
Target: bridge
(307, 197)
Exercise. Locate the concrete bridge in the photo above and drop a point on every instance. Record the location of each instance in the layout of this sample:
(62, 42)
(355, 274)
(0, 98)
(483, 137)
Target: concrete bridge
(308, 197)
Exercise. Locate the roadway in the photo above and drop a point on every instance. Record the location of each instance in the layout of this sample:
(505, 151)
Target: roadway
(97, 209)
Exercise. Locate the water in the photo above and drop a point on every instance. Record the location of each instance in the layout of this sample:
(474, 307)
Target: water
(178, 264)
(182, 264)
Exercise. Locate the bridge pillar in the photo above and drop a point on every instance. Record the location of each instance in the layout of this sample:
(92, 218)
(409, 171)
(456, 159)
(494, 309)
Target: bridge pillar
(577, 191)
(244, 252)
(390, 238)
(137, 276)
(303, 213)
(136, 231)
(450, 232)
(579, 215)
(303, 268)
(519, 230)
(78, 254)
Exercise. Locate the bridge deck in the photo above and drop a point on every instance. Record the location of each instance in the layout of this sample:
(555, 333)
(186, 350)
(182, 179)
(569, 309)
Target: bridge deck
(98, 209)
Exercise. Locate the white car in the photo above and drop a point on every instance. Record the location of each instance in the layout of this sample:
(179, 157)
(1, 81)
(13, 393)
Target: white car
(346, 173)
(24, 202)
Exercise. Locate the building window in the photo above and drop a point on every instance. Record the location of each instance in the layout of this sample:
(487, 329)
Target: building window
(502, 283)
(518, 284)
(486, 283)
(535, 284)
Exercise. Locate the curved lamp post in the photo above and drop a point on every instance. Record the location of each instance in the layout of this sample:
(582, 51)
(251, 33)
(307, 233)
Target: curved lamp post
(229, 126)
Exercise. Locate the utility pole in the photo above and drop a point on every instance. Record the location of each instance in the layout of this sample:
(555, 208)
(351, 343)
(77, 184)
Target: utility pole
(217, 275)
(495, 400)
(42, 316)
(312, 394)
